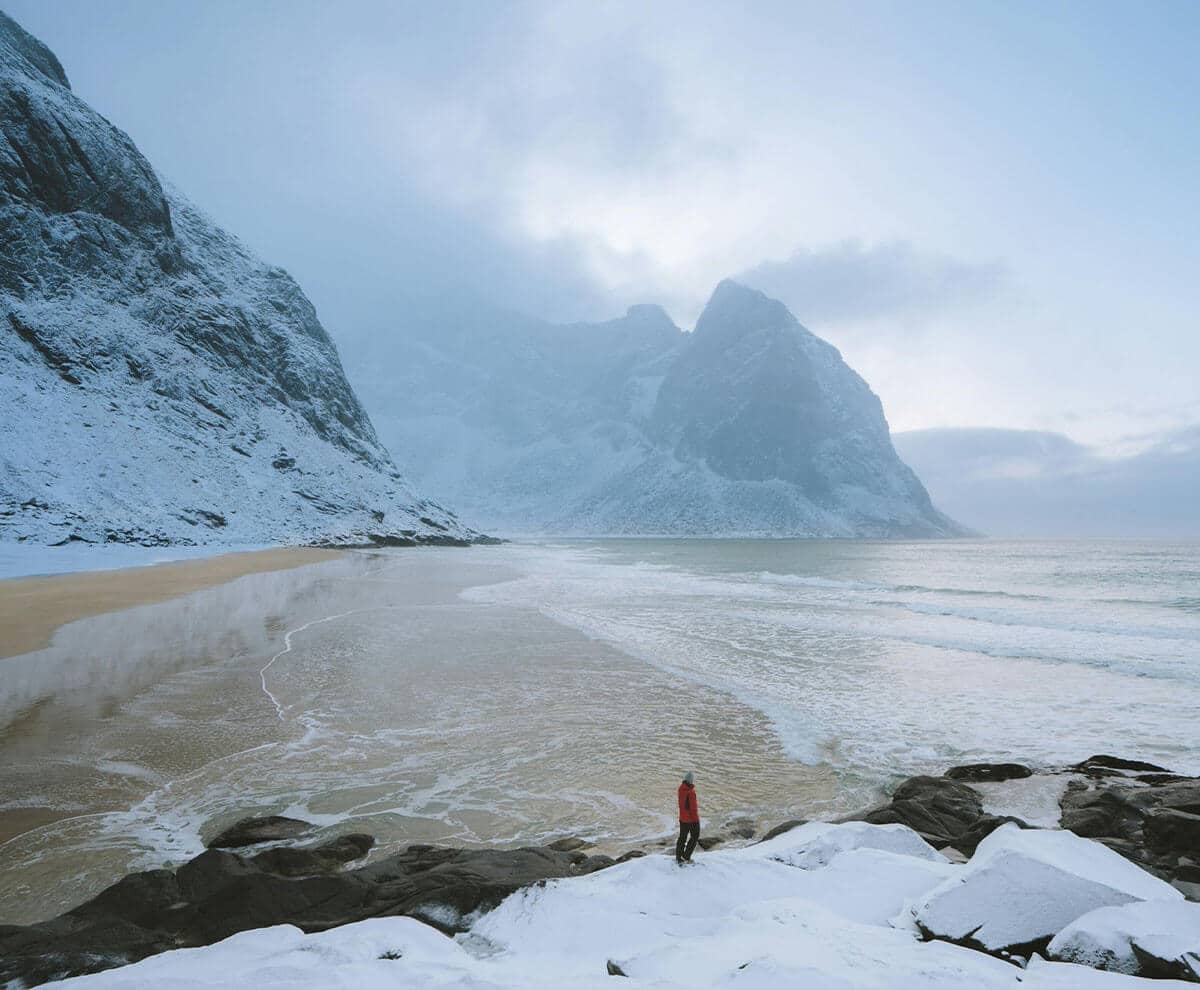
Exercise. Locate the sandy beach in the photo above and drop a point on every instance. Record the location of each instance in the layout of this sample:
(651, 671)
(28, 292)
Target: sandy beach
(365, 693)
(32, 609)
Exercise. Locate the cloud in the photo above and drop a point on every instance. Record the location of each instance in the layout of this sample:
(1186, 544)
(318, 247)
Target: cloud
(1034, 483)
(853, 283)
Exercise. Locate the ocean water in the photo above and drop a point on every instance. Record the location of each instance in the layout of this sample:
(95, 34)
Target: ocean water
(879, 658)
(512, 694)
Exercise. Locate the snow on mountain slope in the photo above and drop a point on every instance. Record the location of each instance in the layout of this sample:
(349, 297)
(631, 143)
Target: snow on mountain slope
(750, 425)
(158, 383)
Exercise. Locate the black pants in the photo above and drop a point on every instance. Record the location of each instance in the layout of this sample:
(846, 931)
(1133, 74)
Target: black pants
(689, 834)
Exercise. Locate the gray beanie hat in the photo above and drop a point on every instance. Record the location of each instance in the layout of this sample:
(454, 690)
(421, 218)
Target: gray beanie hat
(689, 777)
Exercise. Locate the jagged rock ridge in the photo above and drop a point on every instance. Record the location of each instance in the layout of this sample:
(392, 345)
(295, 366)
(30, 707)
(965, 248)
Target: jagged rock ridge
(158, 382)
(750, 425)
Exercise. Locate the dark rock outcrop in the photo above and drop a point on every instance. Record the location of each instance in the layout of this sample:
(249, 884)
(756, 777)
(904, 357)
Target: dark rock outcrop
(325, 857)
(1169, 831)
(740, 828)
(220, 893)
(943, 811)
(1144, 812)
(1150, 818)
(1102, 764)
(784, 827)
(567, 844)
(249, 831)
(982, 772)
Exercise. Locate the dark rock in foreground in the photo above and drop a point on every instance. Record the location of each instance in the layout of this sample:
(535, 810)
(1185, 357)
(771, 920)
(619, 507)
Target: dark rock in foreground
(250, 831)
(324, 858)
(220, 893)
(945, 812)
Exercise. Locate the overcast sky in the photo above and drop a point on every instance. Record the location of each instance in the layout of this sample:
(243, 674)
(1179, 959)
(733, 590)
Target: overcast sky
(991, 208)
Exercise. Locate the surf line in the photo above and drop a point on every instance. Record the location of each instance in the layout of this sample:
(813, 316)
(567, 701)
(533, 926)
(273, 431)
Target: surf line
(287, 642)
(287, 648)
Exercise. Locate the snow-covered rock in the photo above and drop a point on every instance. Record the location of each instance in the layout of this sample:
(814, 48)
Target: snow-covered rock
(158, 383)
(748, 425)
(736, 918)
(1150, 938)
(1023, 886)
(817, 844)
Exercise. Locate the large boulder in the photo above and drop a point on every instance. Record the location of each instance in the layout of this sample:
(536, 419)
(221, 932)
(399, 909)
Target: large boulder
(940, 809)
(1022, 887)
(1093, 811)
(1150, 938)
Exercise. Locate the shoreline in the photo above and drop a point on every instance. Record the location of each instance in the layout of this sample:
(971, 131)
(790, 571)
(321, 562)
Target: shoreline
(33, 609)
(906, 866)
(112, 729)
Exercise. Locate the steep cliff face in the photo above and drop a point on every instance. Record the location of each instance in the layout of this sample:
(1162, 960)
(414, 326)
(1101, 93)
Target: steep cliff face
(159, 383)
(750, 425)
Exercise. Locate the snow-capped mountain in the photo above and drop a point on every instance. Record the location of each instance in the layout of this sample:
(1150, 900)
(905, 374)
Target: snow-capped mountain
(159, 383)
(749, 425)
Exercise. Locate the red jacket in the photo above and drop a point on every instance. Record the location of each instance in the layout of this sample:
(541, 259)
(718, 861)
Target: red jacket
(689, 811)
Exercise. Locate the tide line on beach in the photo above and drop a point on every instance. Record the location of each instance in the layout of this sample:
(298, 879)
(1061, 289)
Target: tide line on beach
(33, 608)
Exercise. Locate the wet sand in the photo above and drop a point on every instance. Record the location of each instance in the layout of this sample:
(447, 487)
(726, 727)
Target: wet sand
(32, 609)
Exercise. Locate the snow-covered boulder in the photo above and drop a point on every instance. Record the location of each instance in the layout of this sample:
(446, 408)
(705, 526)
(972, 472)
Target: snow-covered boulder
(1023, 886)
(1150, 938)
(816, 844)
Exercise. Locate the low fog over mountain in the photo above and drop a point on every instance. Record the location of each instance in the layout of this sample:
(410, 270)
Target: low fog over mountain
(748, 425)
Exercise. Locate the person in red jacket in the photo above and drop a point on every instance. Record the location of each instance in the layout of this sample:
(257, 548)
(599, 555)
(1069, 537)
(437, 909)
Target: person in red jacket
(689, 820)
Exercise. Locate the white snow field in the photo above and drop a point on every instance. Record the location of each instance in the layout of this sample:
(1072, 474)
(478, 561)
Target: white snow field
(810, 909)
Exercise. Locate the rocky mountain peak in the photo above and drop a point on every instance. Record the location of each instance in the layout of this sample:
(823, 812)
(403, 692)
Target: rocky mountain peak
(58, 155)
(748, 425)
(735, 310)
(650, 314)
(23, 45)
